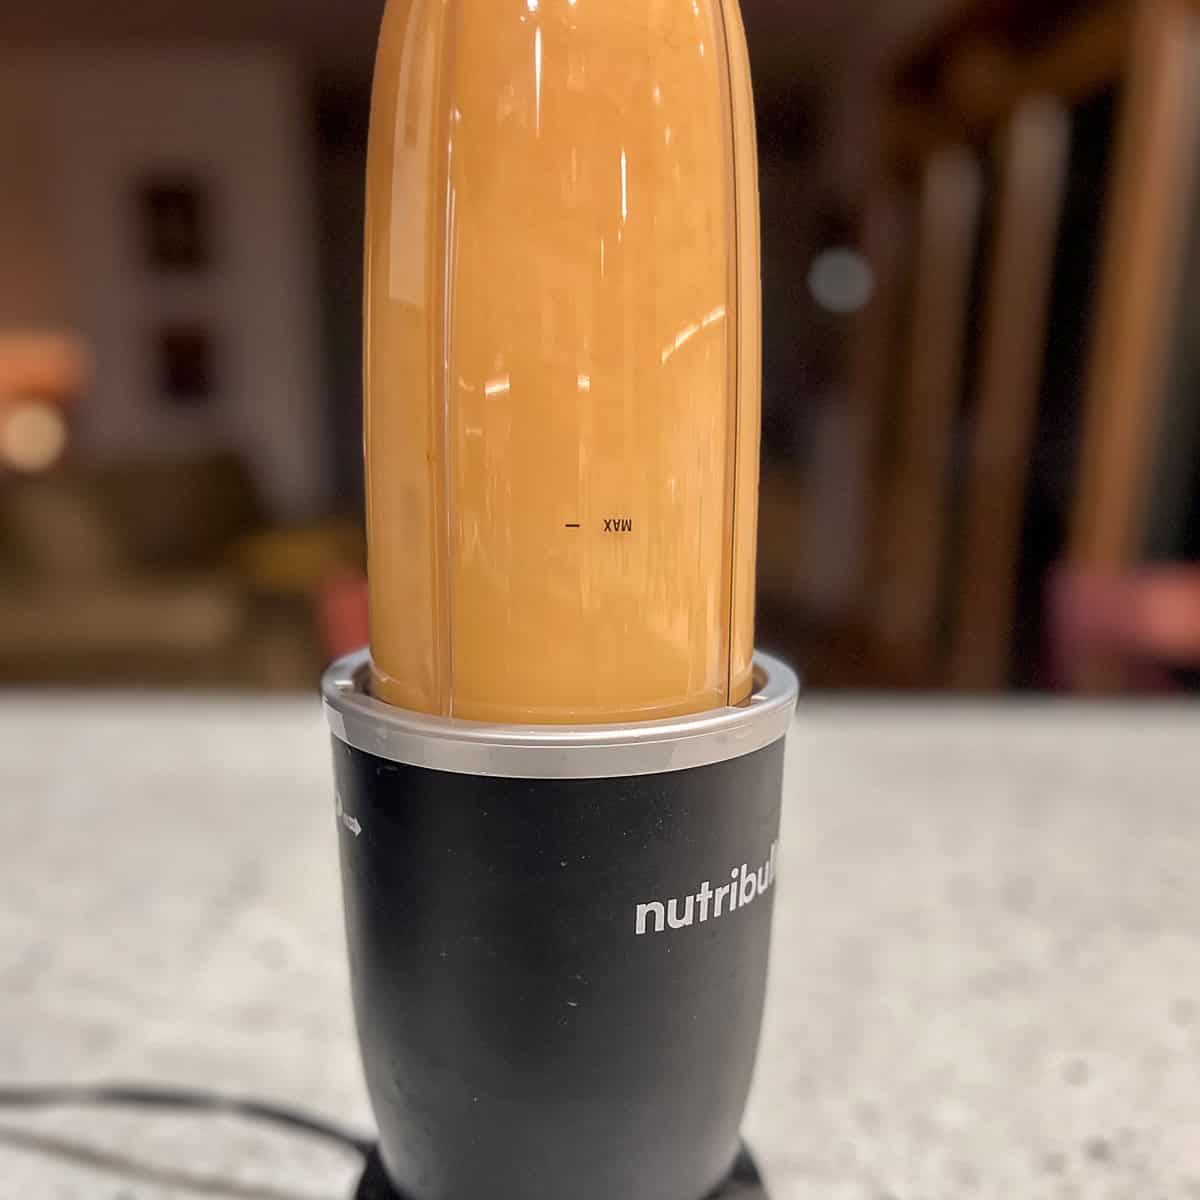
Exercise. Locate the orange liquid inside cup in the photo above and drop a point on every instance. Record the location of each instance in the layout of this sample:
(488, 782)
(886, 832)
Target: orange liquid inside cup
(563, 345)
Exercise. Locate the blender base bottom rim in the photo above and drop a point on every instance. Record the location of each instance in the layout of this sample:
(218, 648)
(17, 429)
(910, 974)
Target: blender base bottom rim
(744, 1183)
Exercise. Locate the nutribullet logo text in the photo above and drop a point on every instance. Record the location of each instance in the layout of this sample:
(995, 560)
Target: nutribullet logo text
(708, 903)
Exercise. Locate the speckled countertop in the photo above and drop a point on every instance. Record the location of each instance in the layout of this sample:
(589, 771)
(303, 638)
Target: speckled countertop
(986, 979)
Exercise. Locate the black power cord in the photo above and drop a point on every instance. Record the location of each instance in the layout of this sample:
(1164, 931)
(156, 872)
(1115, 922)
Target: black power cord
(180, 1100)
(745, 1183)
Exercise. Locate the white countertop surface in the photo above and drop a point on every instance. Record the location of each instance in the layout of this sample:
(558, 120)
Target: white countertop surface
(986, 976)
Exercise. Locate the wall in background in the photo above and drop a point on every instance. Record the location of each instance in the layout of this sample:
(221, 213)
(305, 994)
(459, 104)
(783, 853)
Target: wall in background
(206, 345)
(32, 291)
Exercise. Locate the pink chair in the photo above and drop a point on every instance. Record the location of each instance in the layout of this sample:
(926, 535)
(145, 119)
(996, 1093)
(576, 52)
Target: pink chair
(1144, 623)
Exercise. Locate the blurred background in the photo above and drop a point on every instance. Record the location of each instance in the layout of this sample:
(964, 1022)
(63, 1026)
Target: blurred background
(982, 372)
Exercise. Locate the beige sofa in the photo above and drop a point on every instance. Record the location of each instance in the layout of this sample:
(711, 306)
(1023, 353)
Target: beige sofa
(160, 572)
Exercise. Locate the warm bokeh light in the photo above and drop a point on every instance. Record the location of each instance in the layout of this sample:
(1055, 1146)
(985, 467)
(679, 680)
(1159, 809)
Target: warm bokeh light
(33, 435)
(49, 365)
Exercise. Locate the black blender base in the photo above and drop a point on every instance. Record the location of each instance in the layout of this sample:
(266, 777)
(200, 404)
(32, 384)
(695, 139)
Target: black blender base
(745, 1183)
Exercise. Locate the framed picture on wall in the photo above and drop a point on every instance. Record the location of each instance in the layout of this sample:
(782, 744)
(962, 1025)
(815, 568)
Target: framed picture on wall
(185, 365)
(175, 223)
